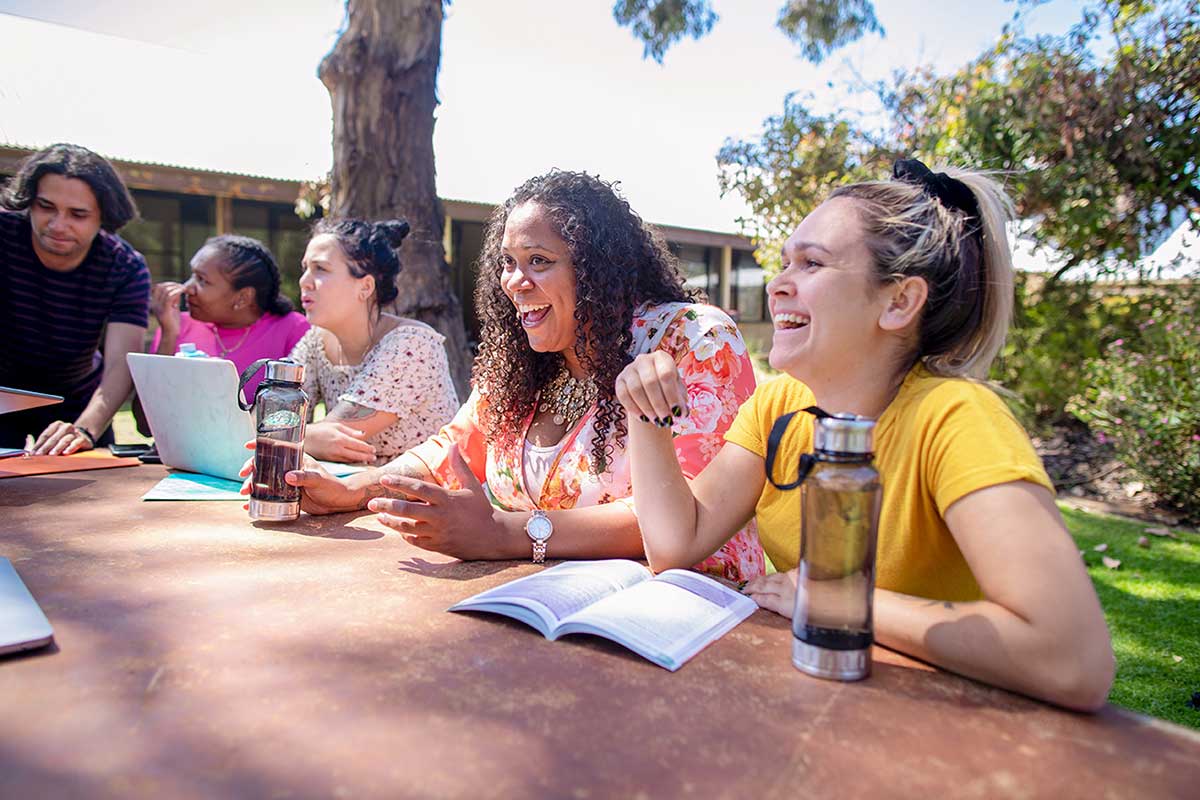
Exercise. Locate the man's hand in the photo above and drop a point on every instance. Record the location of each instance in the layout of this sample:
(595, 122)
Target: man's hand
(61, 439)
(456, 522)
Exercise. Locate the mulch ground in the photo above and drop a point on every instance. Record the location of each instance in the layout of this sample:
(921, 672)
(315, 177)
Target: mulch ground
(1088, 474)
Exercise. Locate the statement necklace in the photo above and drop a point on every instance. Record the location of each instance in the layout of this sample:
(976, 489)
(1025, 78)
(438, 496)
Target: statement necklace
(567, 398)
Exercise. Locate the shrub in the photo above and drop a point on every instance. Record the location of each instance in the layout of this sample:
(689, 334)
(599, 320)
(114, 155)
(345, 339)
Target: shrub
(1143, 394)
(1057, 328)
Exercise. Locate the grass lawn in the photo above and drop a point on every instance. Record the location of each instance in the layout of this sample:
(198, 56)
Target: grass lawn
(125, 429)
(1152, 603)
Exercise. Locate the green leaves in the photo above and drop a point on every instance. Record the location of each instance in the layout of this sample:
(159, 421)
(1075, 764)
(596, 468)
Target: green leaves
(818, 27)
(661, 23)
(788, 171)
(1143, 393)
(1098, 144)
(1101, 148)
(821, 26)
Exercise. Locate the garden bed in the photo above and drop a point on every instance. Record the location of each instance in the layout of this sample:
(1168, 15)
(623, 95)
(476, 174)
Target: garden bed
(1086, 471)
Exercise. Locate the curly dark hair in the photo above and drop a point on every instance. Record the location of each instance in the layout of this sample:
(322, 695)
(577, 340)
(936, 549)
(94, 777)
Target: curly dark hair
(371, 248)
(620, 263)
(73, 161)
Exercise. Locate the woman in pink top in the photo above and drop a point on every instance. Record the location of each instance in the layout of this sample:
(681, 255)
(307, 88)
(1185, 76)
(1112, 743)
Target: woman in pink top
(235, 309)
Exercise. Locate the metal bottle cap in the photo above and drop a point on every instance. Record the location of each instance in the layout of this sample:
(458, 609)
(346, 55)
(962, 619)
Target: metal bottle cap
(845, 433)
(285, 371)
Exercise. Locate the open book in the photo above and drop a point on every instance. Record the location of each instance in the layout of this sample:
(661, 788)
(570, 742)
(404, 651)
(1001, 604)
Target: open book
(666, 619)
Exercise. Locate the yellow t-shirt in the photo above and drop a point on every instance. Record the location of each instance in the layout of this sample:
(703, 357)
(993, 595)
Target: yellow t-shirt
(939, 440)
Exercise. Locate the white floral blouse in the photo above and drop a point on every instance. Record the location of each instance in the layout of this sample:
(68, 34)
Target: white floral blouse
(406, 373)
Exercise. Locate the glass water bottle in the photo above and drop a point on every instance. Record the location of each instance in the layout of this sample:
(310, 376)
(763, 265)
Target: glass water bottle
(840, 502)
(281, 408)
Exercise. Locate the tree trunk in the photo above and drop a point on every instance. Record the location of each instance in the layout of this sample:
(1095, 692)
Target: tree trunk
(382, 80)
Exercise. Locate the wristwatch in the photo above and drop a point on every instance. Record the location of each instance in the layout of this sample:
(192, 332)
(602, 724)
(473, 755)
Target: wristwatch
(539, 527)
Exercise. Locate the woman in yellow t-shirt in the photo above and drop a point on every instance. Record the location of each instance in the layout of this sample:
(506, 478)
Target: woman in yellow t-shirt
(893, 300)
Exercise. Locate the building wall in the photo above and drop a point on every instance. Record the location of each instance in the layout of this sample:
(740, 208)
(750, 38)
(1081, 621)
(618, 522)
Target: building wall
(181, 208)
(173, 226)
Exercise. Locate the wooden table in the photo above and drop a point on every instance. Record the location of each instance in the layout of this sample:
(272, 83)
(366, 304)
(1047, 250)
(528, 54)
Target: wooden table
(199, 655)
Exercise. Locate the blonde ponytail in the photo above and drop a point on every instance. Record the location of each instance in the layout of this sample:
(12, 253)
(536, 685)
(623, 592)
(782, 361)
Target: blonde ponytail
(962, 254)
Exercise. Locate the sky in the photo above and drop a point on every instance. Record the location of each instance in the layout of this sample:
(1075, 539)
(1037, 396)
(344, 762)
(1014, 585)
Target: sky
(525, 86)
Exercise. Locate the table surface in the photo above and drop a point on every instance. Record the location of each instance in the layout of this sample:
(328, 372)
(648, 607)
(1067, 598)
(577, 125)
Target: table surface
(199, 655)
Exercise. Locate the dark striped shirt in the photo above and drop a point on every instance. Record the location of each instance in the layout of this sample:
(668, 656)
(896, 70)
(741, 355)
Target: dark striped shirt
(51, 323)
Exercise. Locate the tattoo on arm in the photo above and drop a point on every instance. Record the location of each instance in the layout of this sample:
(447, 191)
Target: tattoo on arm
(347, 411)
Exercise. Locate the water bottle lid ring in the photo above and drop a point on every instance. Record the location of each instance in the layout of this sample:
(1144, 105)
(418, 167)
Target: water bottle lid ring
(285, 371)
(845, 434)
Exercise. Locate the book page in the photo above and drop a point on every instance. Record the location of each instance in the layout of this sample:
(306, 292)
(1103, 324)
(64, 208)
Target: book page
(560, 591)
(668, 619)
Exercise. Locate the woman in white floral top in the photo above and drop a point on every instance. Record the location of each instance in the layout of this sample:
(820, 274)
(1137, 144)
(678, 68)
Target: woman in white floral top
(384, 380)
(572, 286)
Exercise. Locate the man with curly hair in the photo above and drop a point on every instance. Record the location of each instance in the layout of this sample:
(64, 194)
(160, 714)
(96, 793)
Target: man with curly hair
(572, 286)
(67, 284)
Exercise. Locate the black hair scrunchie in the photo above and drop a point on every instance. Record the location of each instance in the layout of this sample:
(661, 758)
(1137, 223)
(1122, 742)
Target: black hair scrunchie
(952, 192)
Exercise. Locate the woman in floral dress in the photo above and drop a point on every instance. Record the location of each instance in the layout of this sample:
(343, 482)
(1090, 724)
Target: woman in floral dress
(572, 287)
(384, 379)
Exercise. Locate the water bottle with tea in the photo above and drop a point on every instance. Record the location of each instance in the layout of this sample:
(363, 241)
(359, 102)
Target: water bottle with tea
(840, 502)
(280, 411)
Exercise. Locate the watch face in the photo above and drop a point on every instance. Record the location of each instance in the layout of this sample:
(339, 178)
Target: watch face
(539, 528)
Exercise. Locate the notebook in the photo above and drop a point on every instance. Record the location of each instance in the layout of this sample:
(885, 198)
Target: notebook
(191, 405)
(23, 626)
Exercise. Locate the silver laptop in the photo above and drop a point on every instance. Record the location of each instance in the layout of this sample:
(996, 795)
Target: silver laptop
(20, 399)
(23, 626)
(191, 405)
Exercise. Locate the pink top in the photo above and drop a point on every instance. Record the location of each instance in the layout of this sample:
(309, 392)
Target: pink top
(271, 336)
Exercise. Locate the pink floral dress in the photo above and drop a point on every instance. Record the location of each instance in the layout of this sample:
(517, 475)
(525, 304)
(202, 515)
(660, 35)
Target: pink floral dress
(712, 358)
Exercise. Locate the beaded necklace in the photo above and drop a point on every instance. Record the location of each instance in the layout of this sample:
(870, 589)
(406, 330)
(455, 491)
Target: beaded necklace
(567, 398)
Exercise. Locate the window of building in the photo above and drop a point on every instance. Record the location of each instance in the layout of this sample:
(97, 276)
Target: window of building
(158, 235)
(171, 228)
(700, 269)
(198, 221)
(286, 235)
(289, 237)
(749, 283)
(466, 243)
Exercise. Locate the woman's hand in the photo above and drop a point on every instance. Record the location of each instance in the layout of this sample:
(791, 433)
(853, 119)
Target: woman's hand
(336, 441)
(164, 304)
(652, 390)
(61, 439)
(320, 492)
(775, 592)
(456, 522)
